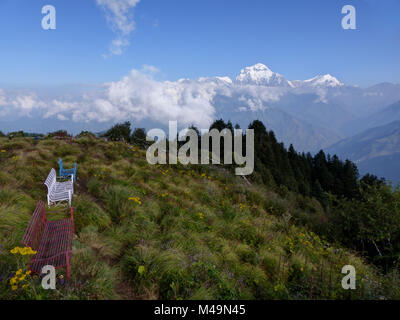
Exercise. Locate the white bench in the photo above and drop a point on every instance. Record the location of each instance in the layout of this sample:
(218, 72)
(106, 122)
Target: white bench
(58, 191)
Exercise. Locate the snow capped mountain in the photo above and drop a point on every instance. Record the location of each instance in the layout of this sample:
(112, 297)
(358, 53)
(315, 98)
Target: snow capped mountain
(327, 81)
(225, 79)
(260, 74)
(216, 80)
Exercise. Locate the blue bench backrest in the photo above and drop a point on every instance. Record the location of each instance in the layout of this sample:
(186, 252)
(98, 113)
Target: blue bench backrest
(67, 172)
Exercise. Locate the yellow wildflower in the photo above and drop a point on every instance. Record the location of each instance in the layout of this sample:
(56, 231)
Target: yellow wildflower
(135, 199)
(141, 270)
(15, 250)
(23, 251)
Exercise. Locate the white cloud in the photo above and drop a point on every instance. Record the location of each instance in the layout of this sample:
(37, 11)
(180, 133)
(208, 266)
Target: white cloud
(119, 14)
(150, 69)
(253, 104)
(56, 108)
(140, 96)
(3, 99)
(25, 104)
(137, 96)
(19, 104)
(62, 117)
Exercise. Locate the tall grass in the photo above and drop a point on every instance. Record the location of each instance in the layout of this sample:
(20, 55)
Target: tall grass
(171, 232)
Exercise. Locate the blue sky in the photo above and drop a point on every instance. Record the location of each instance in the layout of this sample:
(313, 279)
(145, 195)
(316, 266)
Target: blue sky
(190, 39)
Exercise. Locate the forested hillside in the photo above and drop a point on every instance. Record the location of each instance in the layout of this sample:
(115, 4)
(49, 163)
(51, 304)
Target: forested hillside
(360, 212)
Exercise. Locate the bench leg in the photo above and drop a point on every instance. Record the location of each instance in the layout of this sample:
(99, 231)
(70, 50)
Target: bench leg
(69, 198)
(68, 266)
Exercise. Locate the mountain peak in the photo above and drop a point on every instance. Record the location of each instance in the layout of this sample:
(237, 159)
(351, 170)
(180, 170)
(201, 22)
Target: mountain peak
(225, 79)
(259, 66)
(326, 80)
(260, 74)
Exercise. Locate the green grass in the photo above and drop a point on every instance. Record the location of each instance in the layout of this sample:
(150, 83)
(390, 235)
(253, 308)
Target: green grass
(195, 232)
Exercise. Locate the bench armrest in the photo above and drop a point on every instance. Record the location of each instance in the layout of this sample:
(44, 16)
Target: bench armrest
(72, 214)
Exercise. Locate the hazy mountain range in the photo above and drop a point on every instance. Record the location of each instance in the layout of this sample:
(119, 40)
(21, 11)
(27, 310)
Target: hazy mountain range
(311, 114)
(376, 150)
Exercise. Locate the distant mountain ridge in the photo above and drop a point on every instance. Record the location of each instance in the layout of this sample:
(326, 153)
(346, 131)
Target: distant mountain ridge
(376, 150)
(380, 118)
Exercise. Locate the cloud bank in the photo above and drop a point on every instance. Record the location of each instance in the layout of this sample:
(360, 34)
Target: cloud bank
(136, 96)
(139, 96)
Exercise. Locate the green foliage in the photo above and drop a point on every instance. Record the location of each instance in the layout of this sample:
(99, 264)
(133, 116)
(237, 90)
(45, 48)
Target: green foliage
(138, 138)
(117, 204)
(87, 134)
(119, 132)
(94, 187)
(17, 134)
(370, 224)
(88, 213)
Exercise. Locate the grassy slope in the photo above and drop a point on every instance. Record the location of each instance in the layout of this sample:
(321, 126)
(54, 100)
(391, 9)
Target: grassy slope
(192, 233)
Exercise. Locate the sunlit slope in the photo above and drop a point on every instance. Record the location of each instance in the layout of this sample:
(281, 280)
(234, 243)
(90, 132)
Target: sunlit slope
(166, 232)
